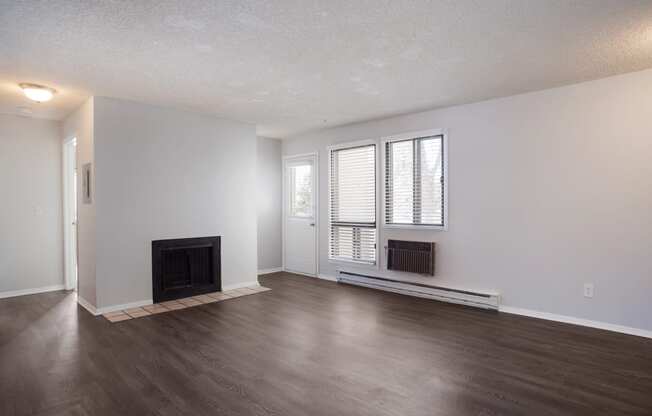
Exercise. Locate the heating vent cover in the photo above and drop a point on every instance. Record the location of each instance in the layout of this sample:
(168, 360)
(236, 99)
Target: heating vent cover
(411, 256)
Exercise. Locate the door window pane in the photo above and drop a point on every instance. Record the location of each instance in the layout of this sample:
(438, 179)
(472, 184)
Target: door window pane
(301, 191)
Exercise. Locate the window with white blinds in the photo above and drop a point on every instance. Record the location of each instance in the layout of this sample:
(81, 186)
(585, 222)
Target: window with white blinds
(414, 181)
(353, 204)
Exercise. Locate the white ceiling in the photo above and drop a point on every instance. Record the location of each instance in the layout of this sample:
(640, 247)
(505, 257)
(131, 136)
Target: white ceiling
(292, 66)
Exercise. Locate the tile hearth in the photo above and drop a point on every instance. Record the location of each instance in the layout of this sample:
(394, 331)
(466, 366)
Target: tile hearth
(173, 305)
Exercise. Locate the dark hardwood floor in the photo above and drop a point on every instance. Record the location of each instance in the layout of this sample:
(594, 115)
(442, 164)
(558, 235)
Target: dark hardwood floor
(311, 347)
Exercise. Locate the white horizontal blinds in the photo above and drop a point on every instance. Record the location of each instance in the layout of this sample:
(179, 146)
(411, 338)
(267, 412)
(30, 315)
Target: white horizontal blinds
(353, 243)
(399, 176)
(353, 204)
(414, 181)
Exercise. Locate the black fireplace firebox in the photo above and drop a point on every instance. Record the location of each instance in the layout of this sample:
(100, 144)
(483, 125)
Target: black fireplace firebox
(185, 267)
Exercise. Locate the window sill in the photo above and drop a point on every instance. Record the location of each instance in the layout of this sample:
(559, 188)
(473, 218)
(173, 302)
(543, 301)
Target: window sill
(353, 263)
(416, 227)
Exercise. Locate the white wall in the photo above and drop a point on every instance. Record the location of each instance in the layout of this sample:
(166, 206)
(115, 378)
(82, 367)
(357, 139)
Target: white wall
(79, 124)
(162, 173)
(268, 202)
(31, 225)
(548, 190)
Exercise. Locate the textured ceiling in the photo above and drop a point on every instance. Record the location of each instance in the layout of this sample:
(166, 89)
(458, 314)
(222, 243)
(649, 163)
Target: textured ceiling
(292, 66)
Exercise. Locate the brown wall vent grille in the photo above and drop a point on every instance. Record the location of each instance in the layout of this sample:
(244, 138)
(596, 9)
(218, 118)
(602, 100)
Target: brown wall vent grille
(411, 256)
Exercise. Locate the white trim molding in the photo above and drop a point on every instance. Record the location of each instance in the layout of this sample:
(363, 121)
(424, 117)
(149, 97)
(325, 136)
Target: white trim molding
(268, 271)
(87, 305)
(113, 308)
(240, 285)
(557, 318)
(301, 273)
(576, 321)
(24, 292)
(328, 277)
(106, 309)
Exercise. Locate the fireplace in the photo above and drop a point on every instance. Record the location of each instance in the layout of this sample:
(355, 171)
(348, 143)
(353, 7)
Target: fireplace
(185, 267)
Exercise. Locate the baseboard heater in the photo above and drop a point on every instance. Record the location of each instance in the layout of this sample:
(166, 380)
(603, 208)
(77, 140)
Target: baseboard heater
(421, 290)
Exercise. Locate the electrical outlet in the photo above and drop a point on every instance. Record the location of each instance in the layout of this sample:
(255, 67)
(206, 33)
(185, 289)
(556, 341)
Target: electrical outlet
(588, 290)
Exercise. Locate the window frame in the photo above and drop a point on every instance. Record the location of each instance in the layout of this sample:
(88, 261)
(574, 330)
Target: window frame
(383, 156)
(348, 145)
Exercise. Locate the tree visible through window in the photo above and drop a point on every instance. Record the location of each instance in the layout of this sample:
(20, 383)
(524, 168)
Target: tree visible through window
(301, 191)
(414, 181)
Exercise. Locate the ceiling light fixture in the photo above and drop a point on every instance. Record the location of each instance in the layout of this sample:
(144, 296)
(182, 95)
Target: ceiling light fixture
(38, 93)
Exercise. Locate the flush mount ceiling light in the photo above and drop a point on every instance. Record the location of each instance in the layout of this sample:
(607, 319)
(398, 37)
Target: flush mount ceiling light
(38, 93)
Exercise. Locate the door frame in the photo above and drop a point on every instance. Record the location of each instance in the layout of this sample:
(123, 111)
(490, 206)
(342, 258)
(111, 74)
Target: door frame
(284, 190)
(70, 259)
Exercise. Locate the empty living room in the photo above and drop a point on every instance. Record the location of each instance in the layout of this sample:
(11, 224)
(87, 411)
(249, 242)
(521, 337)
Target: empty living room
(326, 207)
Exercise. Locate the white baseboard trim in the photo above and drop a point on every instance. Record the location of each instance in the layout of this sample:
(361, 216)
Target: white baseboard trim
(327, 277)
(576, 321)
(23, 292)
(113, 308)
(301, 273)
(554, 317)
(268, 271)
(106, 309)
(240, 285)
(87, 305)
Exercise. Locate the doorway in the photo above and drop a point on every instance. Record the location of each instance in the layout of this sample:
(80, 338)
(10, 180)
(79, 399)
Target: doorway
(300, 214)
(70, 212)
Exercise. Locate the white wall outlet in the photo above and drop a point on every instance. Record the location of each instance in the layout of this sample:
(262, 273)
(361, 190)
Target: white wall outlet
(588, 290)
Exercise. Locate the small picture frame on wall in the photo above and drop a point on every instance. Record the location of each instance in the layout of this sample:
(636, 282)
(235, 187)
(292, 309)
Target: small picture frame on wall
(87, 196)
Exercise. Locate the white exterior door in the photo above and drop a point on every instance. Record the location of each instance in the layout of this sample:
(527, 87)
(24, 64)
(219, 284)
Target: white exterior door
(300, 214)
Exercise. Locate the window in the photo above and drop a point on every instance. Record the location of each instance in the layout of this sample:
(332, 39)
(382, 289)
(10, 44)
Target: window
(414, 181)
(353, 204)
(301, 190)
